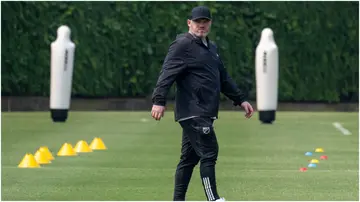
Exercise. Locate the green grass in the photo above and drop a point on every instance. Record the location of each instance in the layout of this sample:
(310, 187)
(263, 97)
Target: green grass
(256, 162)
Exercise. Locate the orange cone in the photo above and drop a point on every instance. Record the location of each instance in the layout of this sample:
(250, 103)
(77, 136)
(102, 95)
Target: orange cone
(303, 169)
(324, 157)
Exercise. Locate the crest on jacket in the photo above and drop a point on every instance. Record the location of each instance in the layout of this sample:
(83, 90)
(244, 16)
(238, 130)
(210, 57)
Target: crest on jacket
(206, 130)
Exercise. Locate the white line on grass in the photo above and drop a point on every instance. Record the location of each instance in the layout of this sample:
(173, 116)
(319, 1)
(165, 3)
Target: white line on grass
(171, 169)
(144, 120)
(343, 130)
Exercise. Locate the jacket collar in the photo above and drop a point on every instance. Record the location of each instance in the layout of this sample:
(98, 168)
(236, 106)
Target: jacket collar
(198, 40)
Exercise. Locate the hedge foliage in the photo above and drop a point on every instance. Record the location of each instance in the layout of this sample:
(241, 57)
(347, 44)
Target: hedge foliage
(120, 46)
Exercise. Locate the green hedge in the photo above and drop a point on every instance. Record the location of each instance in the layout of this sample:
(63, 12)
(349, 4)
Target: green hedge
(120, 46)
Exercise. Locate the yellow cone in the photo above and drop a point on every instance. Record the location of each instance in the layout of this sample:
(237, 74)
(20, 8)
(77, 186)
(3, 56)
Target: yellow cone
(41, 158)
(66, 150)
(82, 146)
(97, 144)
(319, 150)
(28, 161)
(47, 152)
(314, 161)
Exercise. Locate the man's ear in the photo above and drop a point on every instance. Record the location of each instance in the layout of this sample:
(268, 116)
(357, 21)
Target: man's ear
(189, 22)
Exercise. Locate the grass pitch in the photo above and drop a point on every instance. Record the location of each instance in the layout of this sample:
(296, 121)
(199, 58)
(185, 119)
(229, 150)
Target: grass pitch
(256, 162)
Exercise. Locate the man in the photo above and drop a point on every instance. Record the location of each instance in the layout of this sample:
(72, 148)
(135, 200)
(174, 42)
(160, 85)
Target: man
(193, 63)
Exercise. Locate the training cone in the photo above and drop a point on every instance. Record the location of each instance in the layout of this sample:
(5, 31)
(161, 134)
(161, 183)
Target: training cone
(47, 152)
(319, 150)
(314, 161)
(29, 161)
(41, 157)
(303, 169)
(323, 157)
(308, 154)
(82, 146)
(97, 144)
(312, 165)
(66, 150)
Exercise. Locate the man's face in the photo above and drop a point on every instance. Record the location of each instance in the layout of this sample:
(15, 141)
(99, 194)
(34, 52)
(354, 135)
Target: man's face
(200, 27)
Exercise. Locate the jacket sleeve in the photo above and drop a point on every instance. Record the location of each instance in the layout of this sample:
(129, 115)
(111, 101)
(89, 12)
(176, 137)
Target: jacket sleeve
(228, 86)
(173, 65)
(230, 89)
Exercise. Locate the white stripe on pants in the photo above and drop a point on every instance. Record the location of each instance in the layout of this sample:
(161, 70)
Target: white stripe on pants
(208, 188)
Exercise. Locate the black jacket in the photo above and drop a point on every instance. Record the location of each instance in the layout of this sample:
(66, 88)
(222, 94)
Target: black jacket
(200, 76)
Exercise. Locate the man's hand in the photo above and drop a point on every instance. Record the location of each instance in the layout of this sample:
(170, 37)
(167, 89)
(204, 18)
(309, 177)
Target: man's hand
(157, 112)
(248, 109)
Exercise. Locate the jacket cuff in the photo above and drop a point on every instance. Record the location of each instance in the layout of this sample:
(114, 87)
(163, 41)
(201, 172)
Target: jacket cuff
(159, 102)
(238, 102)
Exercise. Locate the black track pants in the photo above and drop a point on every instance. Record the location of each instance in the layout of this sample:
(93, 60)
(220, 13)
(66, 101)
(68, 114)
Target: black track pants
(199, 143)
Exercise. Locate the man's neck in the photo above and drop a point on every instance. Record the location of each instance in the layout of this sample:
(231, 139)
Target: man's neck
(202, 38)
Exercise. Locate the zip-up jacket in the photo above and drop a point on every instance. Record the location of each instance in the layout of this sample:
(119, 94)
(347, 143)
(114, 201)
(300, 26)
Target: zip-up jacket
(200, 77)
